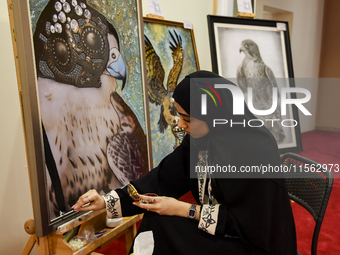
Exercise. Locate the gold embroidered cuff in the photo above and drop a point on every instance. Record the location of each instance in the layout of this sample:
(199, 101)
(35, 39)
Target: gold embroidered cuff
(209, 217)
(112, 202)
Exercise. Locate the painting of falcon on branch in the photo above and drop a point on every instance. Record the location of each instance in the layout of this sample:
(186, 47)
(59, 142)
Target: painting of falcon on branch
(254, 73)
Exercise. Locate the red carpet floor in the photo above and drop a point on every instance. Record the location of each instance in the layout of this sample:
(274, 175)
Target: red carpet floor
(322, 147)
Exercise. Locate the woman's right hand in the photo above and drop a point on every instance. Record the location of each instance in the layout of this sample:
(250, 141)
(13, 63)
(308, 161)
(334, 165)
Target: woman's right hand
(97, 202)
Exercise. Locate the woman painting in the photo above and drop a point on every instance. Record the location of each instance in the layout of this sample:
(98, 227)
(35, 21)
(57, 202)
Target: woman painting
(240, 214)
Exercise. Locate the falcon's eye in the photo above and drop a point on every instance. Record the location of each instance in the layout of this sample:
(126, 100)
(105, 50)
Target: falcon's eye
(114, 54)
(247, 46)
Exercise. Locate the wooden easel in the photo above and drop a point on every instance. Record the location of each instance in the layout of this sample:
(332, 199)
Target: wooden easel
(55, 243)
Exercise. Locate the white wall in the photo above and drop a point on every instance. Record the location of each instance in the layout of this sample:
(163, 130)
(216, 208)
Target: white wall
(306, 46)
(306, 36)
(15, 197)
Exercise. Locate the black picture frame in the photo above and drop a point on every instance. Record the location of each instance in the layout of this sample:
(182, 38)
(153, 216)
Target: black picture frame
(227, 34)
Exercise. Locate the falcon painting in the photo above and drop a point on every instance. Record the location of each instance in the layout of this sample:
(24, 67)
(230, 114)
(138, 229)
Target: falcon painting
(158, 93)
(254, 73)
(95, 139)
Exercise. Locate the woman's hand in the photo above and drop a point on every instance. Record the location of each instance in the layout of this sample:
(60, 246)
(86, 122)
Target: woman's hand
(165, 206)
(96, 202)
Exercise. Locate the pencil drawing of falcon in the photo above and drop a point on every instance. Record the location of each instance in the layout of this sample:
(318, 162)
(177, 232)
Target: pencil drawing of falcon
(155, 79)
(254, 73)
(95, 138)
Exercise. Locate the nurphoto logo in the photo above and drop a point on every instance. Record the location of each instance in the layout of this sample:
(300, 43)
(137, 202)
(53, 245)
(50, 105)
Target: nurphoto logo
(238, 103)
(204, 97)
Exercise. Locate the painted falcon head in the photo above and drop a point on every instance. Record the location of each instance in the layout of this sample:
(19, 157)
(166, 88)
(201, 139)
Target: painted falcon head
(250, 49)
(77, 62)
(73, 45)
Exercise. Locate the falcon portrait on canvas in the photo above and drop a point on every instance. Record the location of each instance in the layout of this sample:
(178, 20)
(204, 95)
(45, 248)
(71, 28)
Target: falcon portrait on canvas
(254, 73)
(94, 137)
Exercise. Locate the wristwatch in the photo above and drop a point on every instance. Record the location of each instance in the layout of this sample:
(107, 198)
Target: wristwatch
(192, 211)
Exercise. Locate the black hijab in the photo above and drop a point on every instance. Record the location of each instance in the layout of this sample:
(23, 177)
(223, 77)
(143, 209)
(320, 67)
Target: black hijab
(259, 210)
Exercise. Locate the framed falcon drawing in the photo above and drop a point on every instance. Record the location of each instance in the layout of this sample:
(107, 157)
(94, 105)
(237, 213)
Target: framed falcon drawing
(256, 55)
(170, 52)
(85, 110)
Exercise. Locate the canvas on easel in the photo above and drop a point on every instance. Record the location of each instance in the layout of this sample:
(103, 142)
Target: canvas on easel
(83, 95)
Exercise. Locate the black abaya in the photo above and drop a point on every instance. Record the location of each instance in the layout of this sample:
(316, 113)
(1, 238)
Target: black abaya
(255, 215)
(248, 215)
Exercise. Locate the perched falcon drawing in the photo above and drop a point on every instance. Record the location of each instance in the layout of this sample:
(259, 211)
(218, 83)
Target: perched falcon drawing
(157, 92)
(254, 73)
(95, 138)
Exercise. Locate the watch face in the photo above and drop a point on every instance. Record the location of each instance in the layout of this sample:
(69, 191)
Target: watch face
(192, 213)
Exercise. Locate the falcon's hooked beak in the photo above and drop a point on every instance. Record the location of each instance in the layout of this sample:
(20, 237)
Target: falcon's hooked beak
(116, 66)
(245, 49)
(242, 48)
